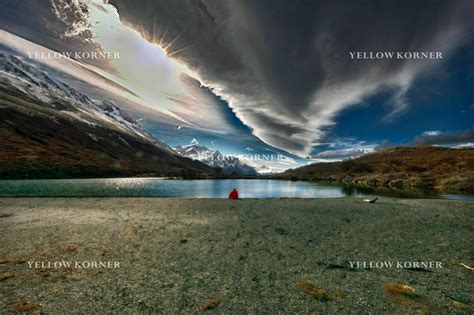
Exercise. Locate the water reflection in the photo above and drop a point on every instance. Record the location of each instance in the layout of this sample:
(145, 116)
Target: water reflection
(160, 187)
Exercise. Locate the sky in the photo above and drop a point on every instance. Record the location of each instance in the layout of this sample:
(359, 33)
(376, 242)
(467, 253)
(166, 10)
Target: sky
(270, 77)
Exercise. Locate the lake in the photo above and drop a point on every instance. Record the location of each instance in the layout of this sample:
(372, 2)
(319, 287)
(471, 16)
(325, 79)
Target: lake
(220, 188)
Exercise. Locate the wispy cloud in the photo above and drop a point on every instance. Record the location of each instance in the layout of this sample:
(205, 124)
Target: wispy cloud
(344, 149)
(463, 138)
(432, 133)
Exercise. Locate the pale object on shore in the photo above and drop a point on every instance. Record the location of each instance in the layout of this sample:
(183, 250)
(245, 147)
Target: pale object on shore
(371, 200)
(466, 266)
(460, 263)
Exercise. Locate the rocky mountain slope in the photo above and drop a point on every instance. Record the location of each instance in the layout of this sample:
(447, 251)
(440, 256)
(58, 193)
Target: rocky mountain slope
(50, 130)
(228, 164)
(420, 167)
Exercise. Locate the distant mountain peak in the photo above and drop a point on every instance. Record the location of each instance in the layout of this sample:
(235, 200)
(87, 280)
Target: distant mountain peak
(229, 164)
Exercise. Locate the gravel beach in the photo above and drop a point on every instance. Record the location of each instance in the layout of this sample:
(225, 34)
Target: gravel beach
(258, 256)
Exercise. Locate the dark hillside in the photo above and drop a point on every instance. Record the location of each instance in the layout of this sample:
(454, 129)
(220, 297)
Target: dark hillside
(421, 167)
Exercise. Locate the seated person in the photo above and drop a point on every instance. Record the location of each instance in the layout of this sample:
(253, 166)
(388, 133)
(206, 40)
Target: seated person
(234, 194)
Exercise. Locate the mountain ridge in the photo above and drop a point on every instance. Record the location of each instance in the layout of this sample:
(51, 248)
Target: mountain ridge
(51, 130)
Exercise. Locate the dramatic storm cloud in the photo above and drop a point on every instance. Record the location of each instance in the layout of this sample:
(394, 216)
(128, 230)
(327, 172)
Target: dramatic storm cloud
(284, 66)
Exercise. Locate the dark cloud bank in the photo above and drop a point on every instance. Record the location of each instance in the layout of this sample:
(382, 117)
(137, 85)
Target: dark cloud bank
(284, 66)
(446, 138)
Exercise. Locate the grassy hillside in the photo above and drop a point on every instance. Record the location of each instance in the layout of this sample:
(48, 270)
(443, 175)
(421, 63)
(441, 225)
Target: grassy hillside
(41, 142)
(420, 167)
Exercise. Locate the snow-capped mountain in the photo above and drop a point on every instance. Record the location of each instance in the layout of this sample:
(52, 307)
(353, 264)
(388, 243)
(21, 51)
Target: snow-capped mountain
(16, 73)
(53, 130)
(263, 169)
(228, 164)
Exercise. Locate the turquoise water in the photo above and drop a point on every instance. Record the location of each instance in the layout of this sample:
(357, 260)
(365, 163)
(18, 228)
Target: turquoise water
(158, 187)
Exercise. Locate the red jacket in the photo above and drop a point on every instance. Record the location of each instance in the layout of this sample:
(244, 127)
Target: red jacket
(234, 194)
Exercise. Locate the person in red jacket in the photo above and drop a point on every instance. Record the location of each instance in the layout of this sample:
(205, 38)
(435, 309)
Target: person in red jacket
(234, 194)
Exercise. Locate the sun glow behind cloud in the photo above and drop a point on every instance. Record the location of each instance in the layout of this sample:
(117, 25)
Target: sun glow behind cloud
(146, 68)
(142, 66)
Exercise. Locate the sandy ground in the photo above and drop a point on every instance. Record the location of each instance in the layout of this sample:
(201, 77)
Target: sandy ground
(249, 256)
